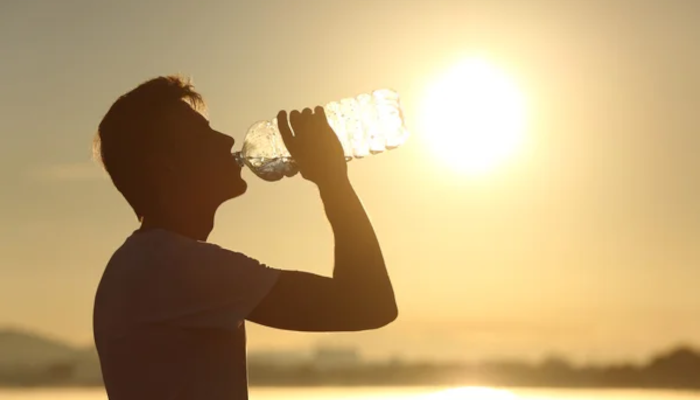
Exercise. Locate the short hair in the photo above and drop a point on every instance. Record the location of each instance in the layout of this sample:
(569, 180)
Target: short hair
(127, 134)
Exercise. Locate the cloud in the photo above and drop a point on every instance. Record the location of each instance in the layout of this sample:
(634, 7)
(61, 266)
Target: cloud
(69, 172)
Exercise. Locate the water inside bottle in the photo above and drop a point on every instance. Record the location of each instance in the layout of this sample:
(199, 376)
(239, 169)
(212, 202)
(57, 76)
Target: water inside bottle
(269, 169)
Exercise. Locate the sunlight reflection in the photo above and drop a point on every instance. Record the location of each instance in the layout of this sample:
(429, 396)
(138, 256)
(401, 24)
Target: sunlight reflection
(473, 393)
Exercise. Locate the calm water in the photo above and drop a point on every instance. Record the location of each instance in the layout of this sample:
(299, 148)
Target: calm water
(387, 394)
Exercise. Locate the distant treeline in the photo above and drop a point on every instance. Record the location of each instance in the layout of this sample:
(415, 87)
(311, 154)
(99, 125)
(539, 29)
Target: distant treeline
(678, 369)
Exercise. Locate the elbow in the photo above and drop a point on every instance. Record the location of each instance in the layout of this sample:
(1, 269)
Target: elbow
(364, 312)
(383, 316)
(392, 313)
(385, 308)
(390, 316)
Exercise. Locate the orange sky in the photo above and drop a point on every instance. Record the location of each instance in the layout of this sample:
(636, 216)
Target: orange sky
(584, 244)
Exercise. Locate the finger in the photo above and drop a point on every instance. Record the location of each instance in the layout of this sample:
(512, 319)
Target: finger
(285, 130)
(299, 122)
(295, 119)
(307, 116)
(320, 115)
(320, 111)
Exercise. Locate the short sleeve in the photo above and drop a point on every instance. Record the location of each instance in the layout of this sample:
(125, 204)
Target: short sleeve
(196, 284)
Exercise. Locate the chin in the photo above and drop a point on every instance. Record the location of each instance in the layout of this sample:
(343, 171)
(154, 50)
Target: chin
(238, 189)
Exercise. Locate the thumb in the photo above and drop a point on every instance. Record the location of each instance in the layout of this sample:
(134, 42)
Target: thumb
(285, 130)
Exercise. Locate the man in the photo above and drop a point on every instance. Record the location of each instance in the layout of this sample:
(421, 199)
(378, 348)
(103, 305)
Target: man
(170, 308)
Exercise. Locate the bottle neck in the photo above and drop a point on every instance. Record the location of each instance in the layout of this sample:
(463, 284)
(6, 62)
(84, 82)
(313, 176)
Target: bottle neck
(239, 158)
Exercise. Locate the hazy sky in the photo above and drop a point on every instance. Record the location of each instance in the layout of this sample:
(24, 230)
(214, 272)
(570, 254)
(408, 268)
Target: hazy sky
(586, 243)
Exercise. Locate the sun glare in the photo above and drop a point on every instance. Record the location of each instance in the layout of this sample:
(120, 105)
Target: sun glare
(474, 117)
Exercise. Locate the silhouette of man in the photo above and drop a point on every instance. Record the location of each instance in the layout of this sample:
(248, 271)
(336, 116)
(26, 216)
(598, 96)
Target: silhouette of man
(170, 308)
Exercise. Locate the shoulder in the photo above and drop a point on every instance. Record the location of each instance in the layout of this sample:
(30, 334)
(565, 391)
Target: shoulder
(160, 251)
(163, 248)
(162, 243)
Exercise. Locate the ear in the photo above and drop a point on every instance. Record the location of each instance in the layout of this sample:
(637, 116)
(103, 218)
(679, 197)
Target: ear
(159, 166)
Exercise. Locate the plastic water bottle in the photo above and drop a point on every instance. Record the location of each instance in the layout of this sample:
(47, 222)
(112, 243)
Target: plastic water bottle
(366, 124)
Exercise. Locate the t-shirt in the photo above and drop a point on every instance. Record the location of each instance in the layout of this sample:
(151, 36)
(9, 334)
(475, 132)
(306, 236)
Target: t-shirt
(169, 318)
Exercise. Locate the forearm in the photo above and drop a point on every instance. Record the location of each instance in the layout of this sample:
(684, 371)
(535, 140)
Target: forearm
(359, 263)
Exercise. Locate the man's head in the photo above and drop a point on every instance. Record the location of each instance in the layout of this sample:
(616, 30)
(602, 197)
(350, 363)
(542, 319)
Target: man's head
(161, 153)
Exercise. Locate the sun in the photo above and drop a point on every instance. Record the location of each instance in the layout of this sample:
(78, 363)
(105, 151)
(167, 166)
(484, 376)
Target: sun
(474, 117)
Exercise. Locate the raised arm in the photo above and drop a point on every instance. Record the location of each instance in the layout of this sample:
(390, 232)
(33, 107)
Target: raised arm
(359, 296)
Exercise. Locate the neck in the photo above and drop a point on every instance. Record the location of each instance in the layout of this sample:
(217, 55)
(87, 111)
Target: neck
(197, 227)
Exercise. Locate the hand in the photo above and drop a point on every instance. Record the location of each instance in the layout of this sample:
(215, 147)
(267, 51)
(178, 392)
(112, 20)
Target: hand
(314, 146)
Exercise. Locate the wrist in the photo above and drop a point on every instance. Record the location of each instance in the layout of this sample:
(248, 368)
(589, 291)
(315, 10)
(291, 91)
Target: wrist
(331, 186)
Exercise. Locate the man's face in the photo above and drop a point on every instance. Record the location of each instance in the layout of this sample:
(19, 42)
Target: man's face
(202, 164)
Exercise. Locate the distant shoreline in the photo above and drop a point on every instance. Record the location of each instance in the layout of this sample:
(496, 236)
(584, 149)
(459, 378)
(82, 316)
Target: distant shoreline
(389, 386)
(30, 361)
